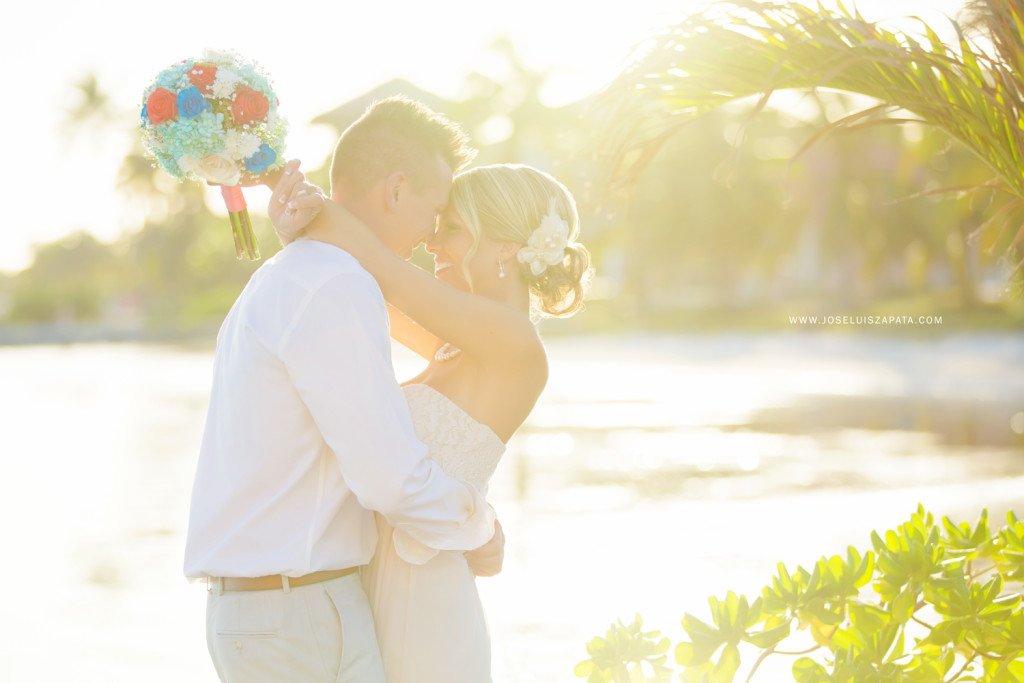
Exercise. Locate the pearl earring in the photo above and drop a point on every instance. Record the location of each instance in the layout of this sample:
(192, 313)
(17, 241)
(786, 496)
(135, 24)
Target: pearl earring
(501, 269)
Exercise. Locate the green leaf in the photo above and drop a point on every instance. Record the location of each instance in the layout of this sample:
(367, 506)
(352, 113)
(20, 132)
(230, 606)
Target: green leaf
(868, 618)
(597, 646)
(769, 637)
(585, 668)
(806, 670)
(994, 588)
(785, 580)
(685, 655)
(865, 569)
(701, 632)
(902, 608)
(728, 664)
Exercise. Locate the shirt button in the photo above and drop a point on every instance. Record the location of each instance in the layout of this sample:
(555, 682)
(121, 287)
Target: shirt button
(238, 645)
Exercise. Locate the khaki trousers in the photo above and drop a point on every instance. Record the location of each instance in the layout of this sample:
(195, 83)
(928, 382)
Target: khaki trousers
(320, 632)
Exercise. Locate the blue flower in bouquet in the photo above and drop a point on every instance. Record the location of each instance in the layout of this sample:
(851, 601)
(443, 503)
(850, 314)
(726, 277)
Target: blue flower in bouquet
(261, 159)
(191, 102)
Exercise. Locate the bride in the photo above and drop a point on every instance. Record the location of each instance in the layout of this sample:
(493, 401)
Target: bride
(504, 248)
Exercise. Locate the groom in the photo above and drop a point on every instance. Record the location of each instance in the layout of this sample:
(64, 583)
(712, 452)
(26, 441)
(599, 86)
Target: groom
(308, 432)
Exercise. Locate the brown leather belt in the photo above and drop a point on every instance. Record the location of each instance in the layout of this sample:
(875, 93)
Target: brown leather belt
(267, 583)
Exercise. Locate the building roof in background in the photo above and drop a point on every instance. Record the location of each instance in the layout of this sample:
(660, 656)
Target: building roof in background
(341, 117)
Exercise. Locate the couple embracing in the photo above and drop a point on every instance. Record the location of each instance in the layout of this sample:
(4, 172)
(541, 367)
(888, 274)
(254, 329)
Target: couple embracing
(339, 519)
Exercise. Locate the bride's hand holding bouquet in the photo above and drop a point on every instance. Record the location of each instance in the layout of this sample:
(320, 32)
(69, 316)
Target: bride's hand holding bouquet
(295, 203)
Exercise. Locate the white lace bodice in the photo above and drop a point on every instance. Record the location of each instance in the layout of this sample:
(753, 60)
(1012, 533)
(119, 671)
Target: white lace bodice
(464, 448)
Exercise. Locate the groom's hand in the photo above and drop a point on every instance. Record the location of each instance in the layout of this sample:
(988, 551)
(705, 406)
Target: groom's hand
(488, 558)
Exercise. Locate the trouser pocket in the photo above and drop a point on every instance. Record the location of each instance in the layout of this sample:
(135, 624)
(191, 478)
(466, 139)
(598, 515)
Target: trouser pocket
(325, 629)
(258, 614)
(360, 656)
(247, 636)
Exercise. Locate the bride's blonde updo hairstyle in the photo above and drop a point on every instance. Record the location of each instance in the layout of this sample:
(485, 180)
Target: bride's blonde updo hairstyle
(507, 203)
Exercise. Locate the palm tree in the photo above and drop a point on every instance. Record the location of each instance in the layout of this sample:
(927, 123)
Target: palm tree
(972, 91)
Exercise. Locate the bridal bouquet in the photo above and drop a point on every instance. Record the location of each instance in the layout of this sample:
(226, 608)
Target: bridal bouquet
(216, 119)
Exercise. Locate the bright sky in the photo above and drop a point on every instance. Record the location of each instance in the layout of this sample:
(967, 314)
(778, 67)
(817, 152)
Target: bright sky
(319, 54)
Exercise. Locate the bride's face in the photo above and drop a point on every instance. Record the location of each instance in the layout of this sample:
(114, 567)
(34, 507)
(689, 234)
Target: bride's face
(450, 244)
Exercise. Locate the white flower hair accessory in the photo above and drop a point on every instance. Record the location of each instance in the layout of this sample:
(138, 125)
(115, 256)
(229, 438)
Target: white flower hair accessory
(546, 246)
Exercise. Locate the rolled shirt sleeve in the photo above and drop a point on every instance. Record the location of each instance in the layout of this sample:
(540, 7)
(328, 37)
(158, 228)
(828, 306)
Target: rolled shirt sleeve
(338, 357)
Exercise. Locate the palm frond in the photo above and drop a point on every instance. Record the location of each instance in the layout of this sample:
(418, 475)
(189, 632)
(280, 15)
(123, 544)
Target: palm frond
(745, 48)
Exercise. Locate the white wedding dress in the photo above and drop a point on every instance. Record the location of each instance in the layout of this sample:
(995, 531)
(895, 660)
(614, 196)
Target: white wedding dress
(430, 623)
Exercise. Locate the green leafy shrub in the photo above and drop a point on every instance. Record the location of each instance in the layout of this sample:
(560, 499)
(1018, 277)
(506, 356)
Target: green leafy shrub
(930, 603)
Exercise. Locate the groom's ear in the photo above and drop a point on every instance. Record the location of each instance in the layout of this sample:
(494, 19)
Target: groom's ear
(394, 187)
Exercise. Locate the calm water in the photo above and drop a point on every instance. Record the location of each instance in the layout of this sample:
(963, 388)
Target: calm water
(656, 471)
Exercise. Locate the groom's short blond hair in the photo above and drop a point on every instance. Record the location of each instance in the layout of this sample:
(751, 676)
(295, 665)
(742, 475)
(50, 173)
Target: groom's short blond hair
(398, 134)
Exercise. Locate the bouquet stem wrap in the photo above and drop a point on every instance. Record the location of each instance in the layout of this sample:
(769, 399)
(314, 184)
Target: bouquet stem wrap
(241, 226)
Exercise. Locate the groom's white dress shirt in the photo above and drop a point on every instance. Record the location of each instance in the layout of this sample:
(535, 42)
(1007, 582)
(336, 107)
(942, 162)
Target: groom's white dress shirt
(308, 431)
